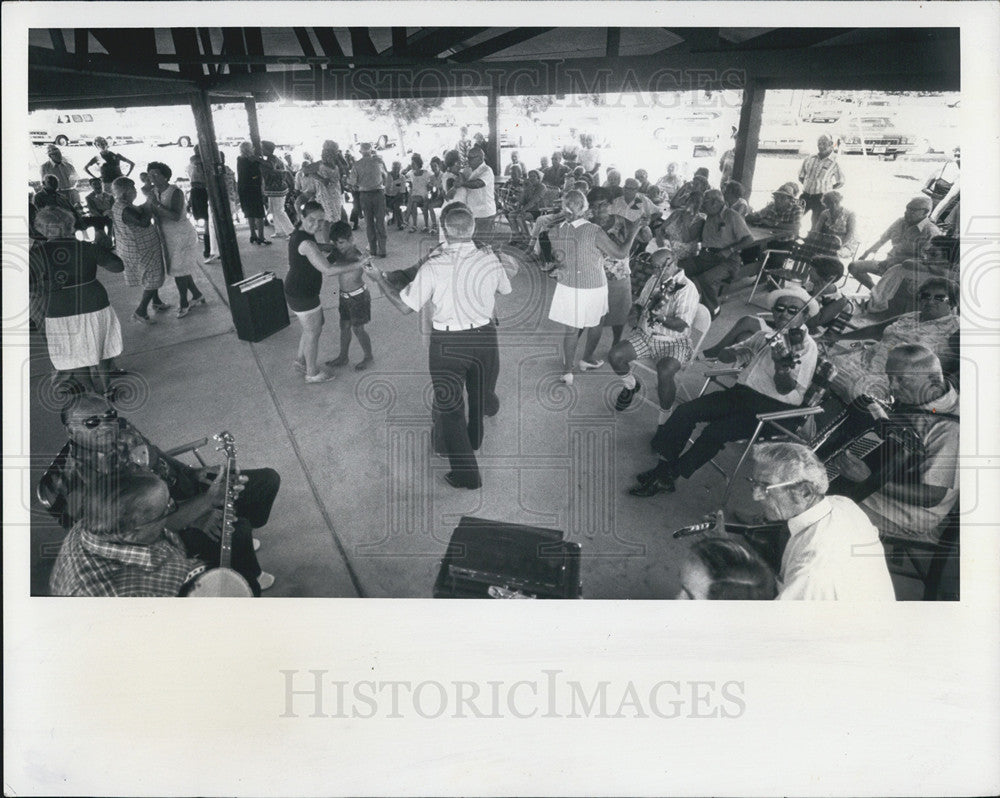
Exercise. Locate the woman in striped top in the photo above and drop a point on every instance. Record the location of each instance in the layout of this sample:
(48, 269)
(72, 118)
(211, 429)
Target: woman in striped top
(581, 296)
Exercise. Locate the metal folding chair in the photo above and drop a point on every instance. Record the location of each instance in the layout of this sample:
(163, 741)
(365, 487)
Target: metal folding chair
(793, 264)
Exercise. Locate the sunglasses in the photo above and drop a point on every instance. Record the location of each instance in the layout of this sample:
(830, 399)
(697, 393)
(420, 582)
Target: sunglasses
(766, 486)
(937, 297)
(785, 309)
(95, 421)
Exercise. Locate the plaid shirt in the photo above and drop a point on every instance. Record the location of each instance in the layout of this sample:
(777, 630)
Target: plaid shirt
(819, 175)
(89, 565)
(787, 220)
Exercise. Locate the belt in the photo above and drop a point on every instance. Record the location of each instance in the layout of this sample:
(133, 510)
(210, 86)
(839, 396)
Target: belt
(370, 190)
(460, 327)
(355, 292)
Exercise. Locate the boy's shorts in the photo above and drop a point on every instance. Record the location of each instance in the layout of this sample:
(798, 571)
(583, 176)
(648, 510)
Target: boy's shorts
(356, 307)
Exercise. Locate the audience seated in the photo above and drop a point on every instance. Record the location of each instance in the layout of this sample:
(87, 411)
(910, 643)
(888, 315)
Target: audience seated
(909, 235)
(699, 183)
(783, 214)
(733, 194)
(724, 236)
(836, 220)
(935, 325)
(896, 292)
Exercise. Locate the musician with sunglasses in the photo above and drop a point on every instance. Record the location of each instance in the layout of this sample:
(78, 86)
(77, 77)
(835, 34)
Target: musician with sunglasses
(833, 551)
(776, 369)
(103, 444)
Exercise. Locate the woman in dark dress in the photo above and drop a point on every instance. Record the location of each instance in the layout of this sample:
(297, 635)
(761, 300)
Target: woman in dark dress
(109, 163)
(250, 187)
(81, 328)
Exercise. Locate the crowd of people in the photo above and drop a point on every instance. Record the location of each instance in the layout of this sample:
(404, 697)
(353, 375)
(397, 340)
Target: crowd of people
(654, 262)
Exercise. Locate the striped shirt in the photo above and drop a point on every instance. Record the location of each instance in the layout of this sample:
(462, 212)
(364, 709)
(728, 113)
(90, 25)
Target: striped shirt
(819, 175)
(91, 565)
(574, 249)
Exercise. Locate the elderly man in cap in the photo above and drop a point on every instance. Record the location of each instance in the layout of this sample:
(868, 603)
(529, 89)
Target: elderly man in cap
(909, 235)
(776, 370)
(819, 174)
(783, 214)
(367, 179)
(64, 171)
(723, 237)
(833, 552)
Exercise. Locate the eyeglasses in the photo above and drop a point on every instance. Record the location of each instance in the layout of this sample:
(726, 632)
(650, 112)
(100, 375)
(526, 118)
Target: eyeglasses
(93, 422)
(785, 309)
(766, 486)
(937, 297)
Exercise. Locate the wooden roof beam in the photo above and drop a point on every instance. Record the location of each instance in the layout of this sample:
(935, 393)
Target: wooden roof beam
(302, 34)
(186, 46)
(255, 46)
(361, 42)
(233, 43)
(58, 40)
(497, 44)
(786, 38)
(328, 41)
(613, 48)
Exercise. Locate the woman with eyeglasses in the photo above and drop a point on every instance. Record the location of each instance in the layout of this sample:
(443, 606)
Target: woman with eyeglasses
(860, 360)
(81, 328)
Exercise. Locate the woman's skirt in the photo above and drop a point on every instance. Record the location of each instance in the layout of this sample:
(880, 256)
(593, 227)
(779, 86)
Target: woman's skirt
(252, 203)
(579, 307)
(76, 342)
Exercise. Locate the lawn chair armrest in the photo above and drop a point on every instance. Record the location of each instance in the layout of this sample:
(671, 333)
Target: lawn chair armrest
(797, 412)
(193, 446)
(731, 372)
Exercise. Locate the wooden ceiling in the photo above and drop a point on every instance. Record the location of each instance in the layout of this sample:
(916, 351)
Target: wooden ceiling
(145, 66)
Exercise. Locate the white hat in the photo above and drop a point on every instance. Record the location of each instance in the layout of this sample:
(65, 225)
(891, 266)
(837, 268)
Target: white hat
(811, 305)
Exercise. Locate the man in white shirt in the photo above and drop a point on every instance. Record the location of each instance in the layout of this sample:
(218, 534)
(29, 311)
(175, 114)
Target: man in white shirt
(461, 281)
(775, 372)
(474, 187)
(633, 204)
(833, 551)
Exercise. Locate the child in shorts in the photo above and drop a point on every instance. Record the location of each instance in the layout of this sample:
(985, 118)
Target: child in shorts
(355, 301)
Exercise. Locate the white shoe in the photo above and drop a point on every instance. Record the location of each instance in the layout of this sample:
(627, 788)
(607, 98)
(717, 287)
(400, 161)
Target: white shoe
(256, 544)
(567, 378)
(265, 580)
(210, 258)
(590, 365)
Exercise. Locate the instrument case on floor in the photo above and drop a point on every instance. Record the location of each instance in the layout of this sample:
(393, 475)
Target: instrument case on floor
(258, 306)
(515, 561)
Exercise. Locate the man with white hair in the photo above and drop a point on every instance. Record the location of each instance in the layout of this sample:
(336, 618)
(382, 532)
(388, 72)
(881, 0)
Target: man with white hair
(910, 235)
(461, 281)
(833, 551)
(915, 505)
(367, 178)
(65, 171)
(475, 187)
(820, 173)
(776, 370)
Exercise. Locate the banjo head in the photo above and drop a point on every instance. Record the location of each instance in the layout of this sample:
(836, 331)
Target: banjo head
(220, 583)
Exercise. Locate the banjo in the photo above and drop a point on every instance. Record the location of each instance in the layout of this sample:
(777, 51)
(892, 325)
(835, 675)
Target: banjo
(224, 581)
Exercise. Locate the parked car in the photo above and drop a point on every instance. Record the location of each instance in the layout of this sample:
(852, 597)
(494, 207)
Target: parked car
(825, 115)
(781, 135)
(700, 131)
(874, 135)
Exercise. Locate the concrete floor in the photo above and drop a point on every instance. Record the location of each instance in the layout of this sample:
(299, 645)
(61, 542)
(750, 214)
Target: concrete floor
(363, 509)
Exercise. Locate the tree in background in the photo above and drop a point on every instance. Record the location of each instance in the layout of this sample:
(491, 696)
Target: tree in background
(403, 112)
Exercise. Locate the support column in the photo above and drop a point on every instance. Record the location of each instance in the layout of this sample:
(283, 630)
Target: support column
(748, 134)
(218, 197)
(251, 105)
(493, 142)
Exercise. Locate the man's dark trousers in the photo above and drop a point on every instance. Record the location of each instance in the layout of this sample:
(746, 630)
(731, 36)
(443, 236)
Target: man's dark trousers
(731, 415)
(373, 209)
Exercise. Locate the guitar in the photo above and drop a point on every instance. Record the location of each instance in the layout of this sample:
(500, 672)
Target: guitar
(224, 581)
